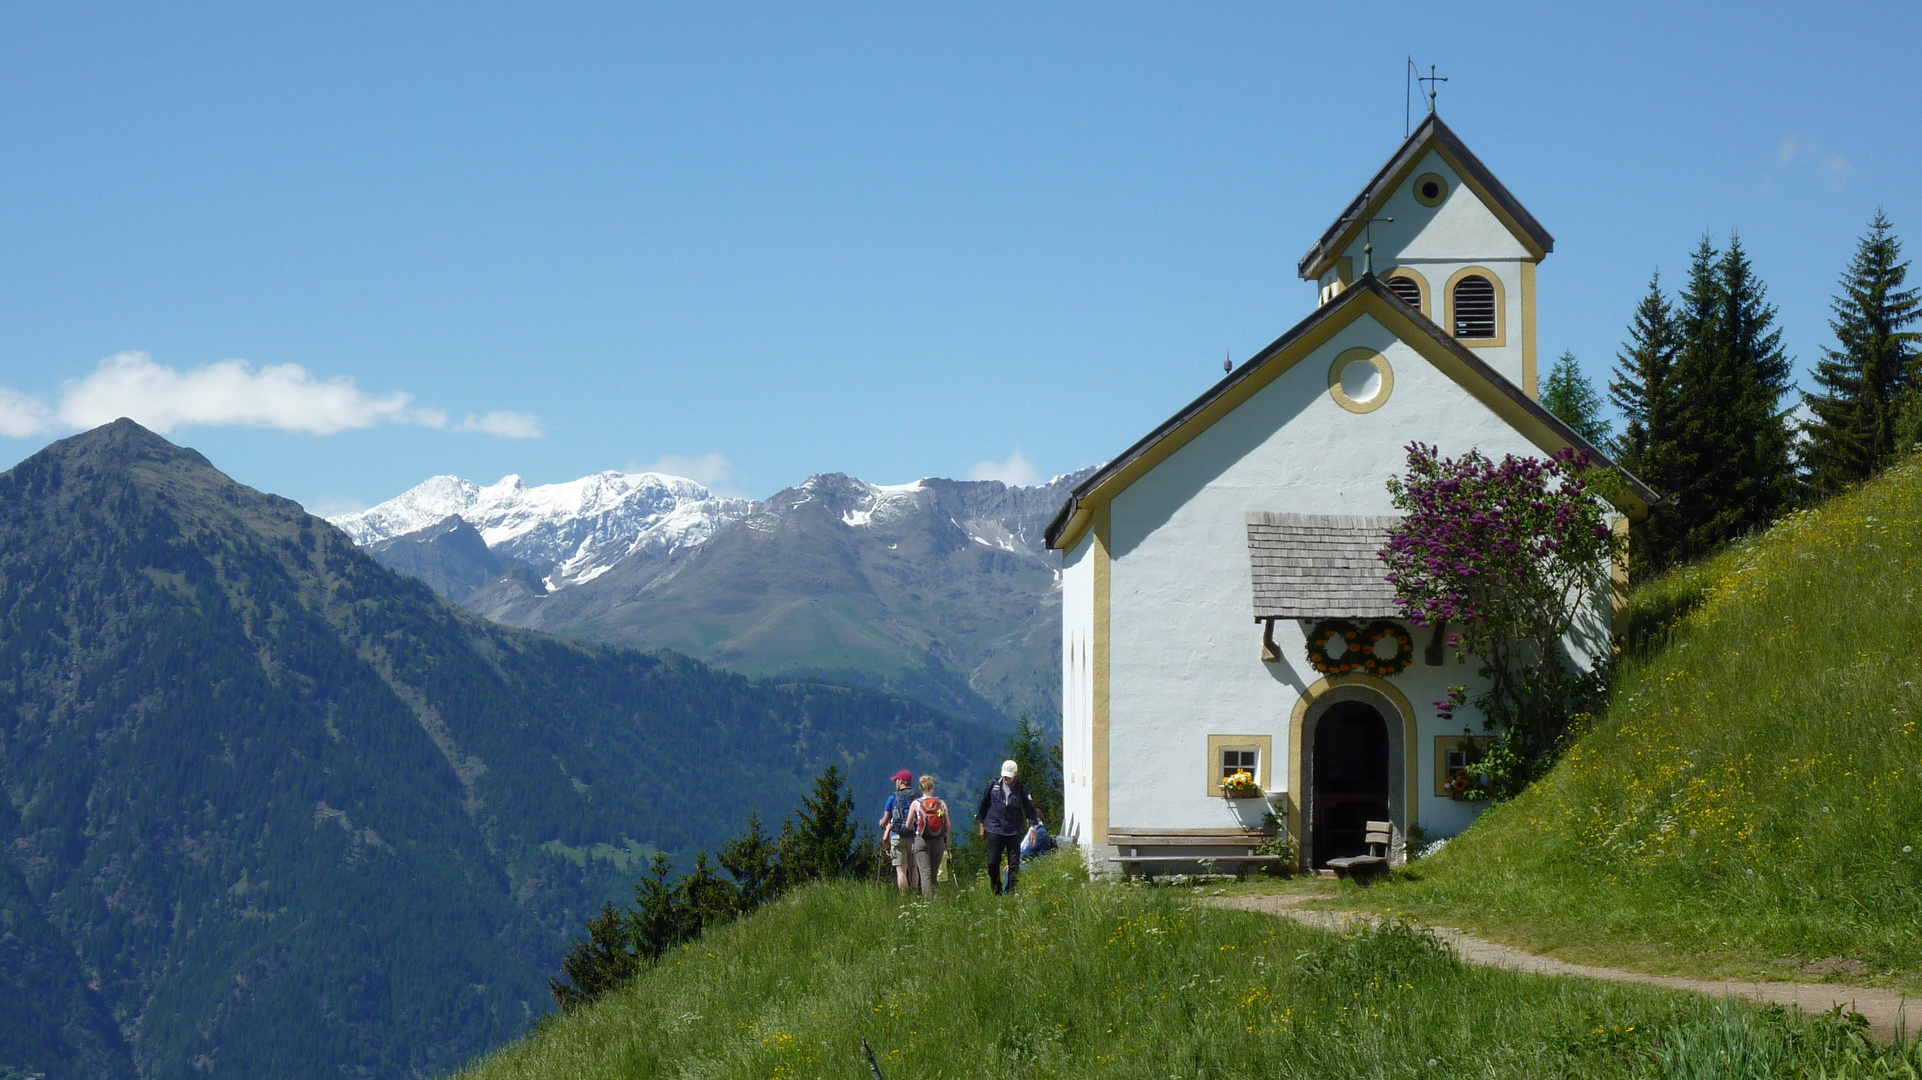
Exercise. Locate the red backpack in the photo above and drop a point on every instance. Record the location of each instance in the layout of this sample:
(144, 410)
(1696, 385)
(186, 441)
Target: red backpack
(929, 816)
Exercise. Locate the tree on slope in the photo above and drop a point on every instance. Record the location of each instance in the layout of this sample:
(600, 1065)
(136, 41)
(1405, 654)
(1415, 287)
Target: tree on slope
(1721, 455)
(1569, 395)
(1641, 388)
(825, 841)
(1866, 382)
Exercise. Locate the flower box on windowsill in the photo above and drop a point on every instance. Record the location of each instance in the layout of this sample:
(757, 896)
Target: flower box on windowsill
(1240, 786)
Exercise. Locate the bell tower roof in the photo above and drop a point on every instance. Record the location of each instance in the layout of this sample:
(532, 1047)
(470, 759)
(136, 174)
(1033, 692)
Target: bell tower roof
(1433, 135)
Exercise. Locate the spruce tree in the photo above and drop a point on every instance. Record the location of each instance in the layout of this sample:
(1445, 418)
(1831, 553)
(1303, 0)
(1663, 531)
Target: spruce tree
(754, 861)
(1765, 480)
(1569, 395)
(1641, 388)
(1721, 456)
(593, 967)
(825, 841)
(658, 920)
(1867, 381)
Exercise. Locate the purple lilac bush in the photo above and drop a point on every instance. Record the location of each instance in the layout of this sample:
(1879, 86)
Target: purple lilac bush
(1507, 554)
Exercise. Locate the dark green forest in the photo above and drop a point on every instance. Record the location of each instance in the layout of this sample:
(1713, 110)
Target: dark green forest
(274, 810)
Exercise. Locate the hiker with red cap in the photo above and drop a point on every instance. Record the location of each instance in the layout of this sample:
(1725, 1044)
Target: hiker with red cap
(894, 831)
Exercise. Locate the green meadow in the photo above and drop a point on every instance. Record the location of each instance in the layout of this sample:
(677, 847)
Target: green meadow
(1071, 978)
(1750, 803)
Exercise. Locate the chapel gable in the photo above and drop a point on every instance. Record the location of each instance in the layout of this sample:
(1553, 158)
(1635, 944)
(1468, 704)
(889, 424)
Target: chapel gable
(1440, 230)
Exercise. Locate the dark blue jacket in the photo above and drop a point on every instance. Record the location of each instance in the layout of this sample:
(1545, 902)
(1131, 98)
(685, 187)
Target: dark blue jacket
(1006, 808)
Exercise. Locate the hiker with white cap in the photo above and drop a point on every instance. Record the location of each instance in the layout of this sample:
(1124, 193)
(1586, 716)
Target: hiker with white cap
(1005, 813)
(894, 833)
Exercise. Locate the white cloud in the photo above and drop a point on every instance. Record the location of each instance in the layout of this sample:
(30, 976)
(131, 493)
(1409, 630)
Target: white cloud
(1834, 168)
(505, 423)
(232, 393)
(21, 416)
(1017, 471)
(229, 393)
(333, 506)
(707, 470)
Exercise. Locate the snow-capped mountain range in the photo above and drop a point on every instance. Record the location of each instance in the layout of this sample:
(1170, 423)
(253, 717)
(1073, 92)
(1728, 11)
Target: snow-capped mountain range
(942, 589)
(571, 532)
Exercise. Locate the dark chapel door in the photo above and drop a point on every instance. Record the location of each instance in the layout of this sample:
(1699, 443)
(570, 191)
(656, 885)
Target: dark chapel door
(1351, 778)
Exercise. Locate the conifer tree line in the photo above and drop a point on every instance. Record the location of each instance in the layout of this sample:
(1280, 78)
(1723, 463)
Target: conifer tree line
(1707, 400)
(821, 841)
(824, 840)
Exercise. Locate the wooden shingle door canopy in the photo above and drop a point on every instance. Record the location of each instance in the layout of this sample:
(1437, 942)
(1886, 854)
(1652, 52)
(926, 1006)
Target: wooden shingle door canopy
(1379, 835)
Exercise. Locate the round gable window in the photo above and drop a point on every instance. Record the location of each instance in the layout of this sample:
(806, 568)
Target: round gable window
(1430, 189)
(1360, 380)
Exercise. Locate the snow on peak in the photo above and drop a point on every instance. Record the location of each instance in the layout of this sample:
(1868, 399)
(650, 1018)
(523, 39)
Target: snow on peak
(572, 531)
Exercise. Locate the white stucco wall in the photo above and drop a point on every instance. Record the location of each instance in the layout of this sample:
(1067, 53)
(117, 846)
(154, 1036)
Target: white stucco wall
(1077, 690)
(1184, 646)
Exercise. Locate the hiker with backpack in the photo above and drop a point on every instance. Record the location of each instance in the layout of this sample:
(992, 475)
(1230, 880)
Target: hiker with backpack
(928, 823)
(894, 831)
(1005, 812)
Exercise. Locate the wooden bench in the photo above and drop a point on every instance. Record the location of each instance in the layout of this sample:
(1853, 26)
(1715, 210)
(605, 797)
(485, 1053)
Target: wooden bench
(1379, 835)
(1129, 842)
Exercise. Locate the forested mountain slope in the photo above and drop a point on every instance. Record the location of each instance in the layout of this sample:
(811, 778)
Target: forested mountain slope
(274, 810)
(1750, 802)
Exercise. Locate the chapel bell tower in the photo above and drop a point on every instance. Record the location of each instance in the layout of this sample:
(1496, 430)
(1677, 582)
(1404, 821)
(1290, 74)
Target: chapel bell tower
(1459, 248)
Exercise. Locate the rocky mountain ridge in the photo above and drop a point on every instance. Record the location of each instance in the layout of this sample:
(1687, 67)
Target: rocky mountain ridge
(942, 589)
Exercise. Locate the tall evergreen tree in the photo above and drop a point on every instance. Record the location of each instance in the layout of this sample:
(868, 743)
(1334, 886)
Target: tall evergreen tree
(754, 862)
(823, 840)
(1721, 455)
(593, 967)
(1765, 483)
(1641, 388)
(1569, 395)
(1866, 381)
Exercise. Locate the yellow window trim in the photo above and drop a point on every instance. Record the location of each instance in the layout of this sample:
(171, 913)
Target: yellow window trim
(1414, 275)
(1445, 743)
(1501, 308)
(1263, 745)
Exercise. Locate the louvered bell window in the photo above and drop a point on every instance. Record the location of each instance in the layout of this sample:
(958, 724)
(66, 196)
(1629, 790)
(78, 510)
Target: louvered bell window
(1474, 307)
(1407, 289)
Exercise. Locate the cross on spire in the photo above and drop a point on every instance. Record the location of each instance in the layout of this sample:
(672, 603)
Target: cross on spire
(1431, 79)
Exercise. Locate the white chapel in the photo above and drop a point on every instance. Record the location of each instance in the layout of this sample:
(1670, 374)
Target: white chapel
(1198, 562)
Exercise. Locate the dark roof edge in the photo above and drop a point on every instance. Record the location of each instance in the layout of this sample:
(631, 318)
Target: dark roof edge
(1348, 296)
(1227, 383)
(1442, 133)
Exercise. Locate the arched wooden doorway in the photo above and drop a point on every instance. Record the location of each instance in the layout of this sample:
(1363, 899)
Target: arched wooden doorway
(1351, 779)
(1356, 759)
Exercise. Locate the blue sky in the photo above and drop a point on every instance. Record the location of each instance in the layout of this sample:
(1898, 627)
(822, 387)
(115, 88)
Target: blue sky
(755, 242)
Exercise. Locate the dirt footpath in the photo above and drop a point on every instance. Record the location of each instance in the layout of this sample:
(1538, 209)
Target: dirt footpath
(1884, 1009)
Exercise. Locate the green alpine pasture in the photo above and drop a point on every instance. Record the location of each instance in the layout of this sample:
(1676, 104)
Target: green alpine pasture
(1750, 802)
(1070, 978)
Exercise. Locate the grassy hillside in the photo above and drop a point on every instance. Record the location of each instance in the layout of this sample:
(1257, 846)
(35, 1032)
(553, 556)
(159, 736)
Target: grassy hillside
(1751, 801)
(1071, 979)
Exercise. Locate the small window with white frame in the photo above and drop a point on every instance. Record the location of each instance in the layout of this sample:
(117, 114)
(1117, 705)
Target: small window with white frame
(1236, 759)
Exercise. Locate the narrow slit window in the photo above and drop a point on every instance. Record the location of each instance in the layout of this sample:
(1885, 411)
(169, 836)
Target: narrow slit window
(1408, 289)
(1474, 307)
